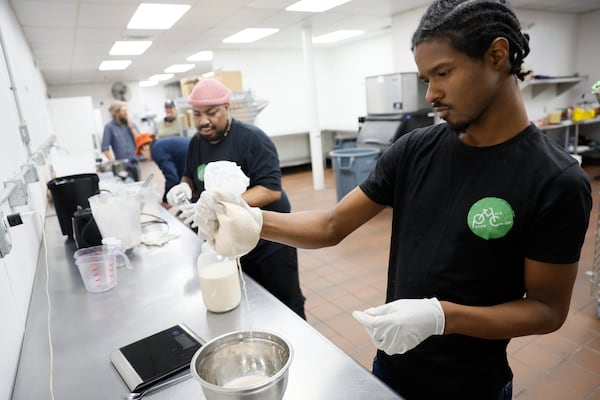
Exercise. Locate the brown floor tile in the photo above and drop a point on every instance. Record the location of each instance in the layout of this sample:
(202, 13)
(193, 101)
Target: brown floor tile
(535, 357)
(594, 344)
(580, 380)
(547, 388)
(587, 359)
(325, 311)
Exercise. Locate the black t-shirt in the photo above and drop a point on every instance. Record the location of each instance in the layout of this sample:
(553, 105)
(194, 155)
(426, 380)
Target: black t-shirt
(255, 153)
(464, 220)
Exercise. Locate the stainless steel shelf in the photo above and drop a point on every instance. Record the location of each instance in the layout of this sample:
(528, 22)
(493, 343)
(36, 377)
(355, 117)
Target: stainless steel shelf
(562, 84)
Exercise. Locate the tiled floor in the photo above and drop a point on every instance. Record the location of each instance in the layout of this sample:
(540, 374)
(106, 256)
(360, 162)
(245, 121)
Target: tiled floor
(564, 365)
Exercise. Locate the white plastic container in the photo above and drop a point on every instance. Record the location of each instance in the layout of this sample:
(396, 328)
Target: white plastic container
(118, 215)
(219, 280)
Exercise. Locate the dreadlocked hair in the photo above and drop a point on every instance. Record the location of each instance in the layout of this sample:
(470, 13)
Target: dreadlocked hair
(472, 25)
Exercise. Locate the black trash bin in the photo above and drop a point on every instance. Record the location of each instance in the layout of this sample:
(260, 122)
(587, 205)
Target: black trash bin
(71, 191)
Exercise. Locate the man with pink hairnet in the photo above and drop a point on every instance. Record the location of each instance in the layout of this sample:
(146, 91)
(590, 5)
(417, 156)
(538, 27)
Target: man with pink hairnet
(221, 137)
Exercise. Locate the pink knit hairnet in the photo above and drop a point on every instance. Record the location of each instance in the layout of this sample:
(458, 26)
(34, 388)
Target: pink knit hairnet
(209, 92)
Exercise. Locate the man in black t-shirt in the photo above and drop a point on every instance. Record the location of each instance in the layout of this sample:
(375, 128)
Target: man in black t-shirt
(489, 216)
(223, 138)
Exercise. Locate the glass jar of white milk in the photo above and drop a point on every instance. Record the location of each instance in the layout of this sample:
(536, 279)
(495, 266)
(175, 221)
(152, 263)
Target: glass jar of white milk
(219, 280)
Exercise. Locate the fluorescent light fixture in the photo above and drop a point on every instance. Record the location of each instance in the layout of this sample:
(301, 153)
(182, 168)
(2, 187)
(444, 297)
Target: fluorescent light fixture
(208, 74)
(336, 36)
(161, 77)
(129, 47)
(250, 35)
(176, 68)
(206, 55)
(148, 83)
(157, 16)
(114, 65)
(315, 5)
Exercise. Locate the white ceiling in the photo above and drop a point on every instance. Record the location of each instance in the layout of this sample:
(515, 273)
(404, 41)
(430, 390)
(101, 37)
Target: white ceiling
(69, 38)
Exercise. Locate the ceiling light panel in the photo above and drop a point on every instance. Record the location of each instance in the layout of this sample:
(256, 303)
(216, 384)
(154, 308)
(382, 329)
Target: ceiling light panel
(177, 68)
(114, 65)
(250, 35)
(336, 36)
(157, 16)
(315, 5)
(129, 47)
(201, 56)
(161, 77)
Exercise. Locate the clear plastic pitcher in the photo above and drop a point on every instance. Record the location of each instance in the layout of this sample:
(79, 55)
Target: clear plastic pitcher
(118, 215)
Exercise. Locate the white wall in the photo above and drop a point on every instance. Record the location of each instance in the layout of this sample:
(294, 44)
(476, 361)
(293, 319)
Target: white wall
(17, 269)
(342, 71)
(276, 76)
(587, 55)
(403, 27)
(279, 77)
(553, 38)
(141, 102)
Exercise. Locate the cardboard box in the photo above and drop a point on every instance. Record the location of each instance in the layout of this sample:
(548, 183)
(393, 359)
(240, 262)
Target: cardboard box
(231, 79)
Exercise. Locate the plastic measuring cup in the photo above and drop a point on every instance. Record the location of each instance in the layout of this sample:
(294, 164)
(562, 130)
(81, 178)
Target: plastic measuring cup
(99, 273)
(119, 258)
(98, 266)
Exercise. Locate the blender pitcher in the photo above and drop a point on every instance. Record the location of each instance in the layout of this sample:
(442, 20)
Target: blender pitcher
(118, 215)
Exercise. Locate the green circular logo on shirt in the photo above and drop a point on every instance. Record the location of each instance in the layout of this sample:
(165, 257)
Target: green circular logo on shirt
(491, 218)
(200, 172)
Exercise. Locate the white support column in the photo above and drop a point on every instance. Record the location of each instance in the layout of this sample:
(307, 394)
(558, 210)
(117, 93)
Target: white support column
(316, 146)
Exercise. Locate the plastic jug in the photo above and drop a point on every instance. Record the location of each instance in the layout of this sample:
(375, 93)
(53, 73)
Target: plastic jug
(219, 280)
(118, 215)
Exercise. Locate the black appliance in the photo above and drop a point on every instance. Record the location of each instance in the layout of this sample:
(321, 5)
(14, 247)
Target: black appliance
(382, 130)
(69, 192)
(85, 230)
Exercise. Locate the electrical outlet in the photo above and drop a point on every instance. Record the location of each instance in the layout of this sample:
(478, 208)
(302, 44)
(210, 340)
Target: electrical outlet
(5, 243)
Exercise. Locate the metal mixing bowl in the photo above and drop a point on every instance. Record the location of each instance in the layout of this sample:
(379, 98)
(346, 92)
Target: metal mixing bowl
(256, 363)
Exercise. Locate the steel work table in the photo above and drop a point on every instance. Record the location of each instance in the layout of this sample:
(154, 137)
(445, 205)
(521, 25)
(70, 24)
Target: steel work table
(161, 290)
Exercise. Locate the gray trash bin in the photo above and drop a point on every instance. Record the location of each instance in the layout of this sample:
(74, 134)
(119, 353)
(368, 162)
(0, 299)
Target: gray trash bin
(352, 167)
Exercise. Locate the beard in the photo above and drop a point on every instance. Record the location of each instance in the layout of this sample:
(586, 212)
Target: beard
(215, 137)
(123, 120)
(459, 127)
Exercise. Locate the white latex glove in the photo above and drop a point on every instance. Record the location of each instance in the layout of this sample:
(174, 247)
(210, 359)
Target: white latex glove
(175, 194)
(401, 325)
(210, 207)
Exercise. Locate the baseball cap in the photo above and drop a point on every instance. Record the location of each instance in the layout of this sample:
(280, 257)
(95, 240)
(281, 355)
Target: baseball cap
(209, 92)
(169, 103)
(141, 140)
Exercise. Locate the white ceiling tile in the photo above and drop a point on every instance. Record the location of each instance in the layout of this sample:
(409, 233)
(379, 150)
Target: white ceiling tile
(105, 15)
(46, 13)
(44, 35)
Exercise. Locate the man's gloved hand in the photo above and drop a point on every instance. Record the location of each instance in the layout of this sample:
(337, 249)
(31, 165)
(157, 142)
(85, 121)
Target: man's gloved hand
(212, 209)
(401, 325)
(178, 192)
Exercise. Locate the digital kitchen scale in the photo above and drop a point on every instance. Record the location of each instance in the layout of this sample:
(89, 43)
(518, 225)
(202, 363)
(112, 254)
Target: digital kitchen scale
(156, 357)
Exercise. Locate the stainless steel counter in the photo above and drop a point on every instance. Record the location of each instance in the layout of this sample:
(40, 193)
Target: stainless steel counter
(161, 290)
